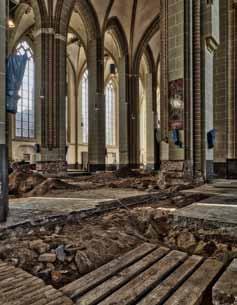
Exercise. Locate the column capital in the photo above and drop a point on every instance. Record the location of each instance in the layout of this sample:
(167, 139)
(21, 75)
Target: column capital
(49, 31)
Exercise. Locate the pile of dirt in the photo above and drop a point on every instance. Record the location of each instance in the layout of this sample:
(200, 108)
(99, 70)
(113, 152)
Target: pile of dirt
(29, 183)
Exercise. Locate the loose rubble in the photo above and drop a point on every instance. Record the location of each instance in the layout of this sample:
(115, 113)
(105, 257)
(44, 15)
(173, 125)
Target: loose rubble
(65, 252)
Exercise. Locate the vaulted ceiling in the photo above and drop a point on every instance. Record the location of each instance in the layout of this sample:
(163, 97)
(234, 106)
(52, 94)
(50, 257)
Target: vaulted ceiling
(135, 17)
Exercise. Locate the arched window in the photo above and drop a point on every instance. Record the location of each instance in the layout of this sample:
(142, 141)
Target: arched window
(110, 105)
(84, 87)
(25, 116)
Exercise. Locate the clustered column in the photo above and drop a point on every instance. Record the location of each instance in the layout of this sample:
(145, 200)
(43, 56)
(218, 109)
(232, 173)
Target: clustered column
(51, 96)
(3, 146)
(96, 142)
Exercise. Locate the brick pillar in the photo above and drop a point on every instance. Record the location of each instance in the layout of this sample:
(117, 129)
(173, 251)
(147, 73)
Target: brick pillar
(188, 91)
(232, 92)
(51, 95)
(133, 119)
(197, 127)
(96, 142)
(3, 146)
(221, 94)
(123, 113)
(150, 157)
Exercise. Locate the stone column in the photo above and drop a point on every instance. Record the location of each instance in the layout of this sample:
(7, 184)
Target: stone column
(51, 94)
(150, 158)
(133, 119)
(123, 113)
(3, 146)
(210, 42)
(96, 142)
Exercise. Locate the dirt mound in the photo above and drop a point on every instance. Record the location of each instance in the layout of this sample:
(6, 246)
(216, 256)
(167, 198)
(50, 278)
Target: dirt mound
(21, 182)
(29, 183)
(49, 185)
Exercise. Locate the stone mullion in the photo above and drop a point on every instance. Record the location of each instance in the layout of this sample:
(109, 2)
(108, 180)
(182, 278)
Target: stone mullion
(197, 117)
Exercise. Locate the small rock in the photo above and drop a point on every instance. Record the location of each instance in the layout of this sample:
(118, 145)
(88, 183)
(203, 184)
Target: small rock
(56, 276)
(39, 246)
(186, 241)
(45, 274)
(83, 263)
(50, 266)
(199, 250)
(48, 258)
(151, 233)
(60, 253)
(38, 268)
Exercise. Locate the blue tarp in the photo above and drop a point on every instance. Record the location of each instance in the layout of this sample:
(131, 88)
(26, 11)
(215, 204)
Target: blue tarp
(176, 137)
(211, 138)
(16, 65)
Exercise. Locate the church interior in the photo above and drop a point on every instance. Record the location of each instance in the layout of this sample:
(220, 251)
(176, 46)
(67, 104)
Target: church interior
(118, 152)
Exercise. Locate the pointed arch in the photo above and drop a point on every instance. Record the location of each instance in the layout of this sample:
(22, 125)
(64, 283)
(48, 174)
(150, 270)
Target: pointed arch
(150, 32)
(63, 13)
(115, 26)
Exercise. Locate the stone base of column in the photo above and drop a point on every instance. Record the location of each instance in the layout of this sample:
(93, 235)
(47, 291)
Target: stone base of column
(93, 168)
(220, 169)
(52, 168)
(209, 170)
(172, 165)
(149, 167)
(232, 168)
(3, 183)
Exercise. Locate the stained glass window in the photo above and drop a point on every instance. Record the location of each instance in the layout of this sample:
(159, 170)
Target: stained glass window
(25, 116)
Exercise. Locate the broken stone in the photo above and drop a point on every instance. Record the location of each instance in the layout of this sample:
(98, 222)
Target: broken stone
(151, 232)
(48, 258)
(60, 253)
(83, 263)
(186, 241)
(39, 246)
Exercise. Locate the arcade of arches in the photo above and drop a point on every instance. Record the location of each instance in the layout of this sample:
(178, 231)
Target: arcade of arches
(112, 83)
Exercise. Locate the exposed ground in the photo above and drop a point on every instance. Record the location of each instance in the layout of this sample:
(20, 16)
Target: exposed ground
(62, 253)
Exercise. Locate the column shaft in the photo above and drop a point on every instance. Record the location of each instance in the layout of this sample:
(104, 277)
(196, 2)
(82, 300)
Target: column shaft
(3, 144)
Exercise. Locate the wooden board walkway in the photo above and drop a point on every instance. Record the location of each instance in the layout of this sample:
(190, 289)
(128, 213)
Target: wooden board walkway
(18, 287)
(147, 276)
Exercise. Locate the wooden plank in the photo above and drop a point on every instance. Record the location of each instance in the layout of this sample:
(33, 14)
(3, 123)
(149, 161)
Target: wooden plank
(96, 277)
(193, 290)
(146, 281)
(162, 292)
(108, 287)
(225, 290)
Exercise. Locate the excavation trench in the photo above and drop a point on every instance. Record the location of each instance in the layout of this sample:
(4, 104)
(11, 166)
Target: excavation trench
(62, 252)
